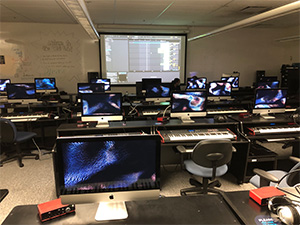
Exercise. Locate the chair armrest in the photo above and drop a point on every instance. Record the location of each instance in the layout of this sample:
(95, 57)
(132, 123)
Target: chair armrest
(294, 159)
(265, 175)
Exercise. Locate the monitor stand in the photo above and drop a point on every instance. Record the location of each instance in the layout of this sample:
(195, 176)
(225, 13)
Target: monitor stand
(266, 116)
(102, 124)
(186, 119)
(111, 211)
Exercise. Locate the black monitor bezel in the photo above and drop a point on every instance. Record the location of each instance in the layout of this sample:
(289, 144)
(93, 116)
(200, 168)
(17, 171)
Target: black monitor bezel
(33, 97)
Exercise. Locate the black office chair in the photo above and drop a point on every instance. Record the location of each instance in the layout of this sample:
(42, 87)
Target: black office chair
(277, 177)
(9, 136)
(209, 160)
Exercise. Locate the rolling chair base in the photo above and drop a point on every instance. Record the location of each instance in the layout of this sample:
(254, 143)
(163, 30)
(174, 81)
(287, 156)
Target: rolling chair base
(201, 188)
(18, 157)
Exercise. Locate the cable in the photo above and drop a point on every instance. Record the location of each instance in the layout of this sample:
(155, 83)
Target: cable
(166, 110)
(38, 148)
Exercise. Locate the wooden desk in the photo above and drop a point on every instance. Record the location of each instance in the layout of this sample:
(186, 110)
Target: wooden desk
(204, 209)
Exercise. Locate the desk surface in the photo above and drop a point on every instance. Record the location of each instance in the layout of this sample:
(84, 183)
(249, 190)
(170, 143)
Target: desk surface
(205, 209)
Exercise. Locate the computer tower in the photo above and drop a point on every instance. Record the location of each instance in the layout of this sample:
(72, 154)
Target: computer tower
(92, 75)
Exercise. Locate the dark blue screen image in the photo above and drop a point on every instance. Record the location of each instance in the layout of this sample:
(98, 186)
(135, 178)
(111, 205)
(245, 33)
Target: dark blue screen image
(20, 91)
(106, 83)
(157, 90)
(268, 84)
(103, 165)
(196, 83)
(270, 98)
(104, 104)
(44, 83)
(90, 88)
(219, 89)
(233, 80)
(3, 83)
(188, 101)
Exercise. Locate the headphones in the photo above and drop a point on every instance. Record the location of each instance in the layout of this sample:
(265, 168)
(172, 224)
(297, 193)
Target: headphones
(221, 118)
(287, 211)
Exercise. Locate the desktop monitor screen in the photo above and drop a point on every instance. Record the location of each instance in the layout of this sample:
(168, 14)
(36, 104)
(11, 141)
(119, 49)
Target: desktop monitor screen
(219, 89)
(188, 104)
(158, 90)
(270, 101)
(106, 83)
(107, 169)
(20, 91)
(45, 84)
(101, 107)
(268, 84)
(150, 81)
(90, 88)
(196, 83)
(3, 83)
(233, 80)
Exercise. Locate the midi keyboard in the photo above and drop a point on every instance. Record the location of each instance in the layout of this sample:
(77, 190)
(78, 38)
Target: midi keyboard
(25, 117)
(273, 130)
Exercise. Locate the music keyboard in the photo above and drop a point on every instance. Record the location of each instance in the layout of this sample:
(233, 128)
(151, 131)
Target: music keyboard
(226, 111)
(197, 135)
(25, 117)
(150, 112)
(273, 130)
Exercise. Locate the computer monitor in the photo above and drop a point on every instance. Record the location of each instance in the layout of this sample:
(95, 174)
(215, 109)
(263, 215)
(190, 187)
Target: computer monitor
(3, 83)
(45, 85)
(219, 90)
(269, 78)
(101, 107)
(149, 81)
(187, 104)
(233, 80)
(269, 101)
(196, 83)
(90, 88)
(268, 84)
(157, 93)
(21, 93)
(106, 83)
(108, 170)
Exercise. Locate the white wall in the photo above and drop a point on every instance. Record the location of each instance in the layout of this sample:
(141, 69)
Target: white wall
(67, 53)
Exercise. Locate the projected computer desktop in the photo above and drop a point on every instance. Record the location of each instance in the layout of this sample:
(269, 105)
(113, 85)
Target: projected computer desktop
(187, 104)
(101, 107)
(108, 170)
(268, 101)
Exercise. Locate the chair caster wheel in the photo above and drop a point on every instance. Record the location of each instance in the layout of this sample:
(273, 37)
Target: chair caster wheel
(182, 193)
(218, 184)
(37, 157)
(21, 165)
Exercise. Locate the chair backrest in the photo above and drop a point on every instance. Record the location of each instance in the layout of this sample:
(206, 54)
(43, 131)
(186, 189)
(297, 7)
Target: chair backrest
(208, 150)
(294, 178)
(8, 131)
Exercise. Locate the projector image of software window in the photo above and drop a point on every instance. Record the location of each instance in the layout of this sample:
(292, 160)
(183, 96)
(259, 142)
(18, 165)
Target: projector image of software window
(127, 58)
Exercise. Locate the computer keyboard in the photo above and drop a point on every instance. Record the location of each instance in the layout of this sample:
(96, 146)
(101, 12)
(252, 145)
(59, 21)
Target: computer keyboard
(226, 111)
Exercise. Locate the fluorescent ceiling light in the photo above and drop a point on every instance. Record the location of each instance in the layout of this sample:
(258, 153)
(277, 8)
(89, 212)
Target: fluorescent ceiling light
(79, 11)
(291, 38)
(271, 14)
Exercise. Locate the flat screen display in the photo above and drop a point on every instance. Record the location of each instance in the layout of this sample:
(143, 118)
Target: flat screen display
(108, 164)
(219, 88)
(3, 83)
(193, 101)
(20, 91)
(106, 83)
(101, 104)
(45, 83)
(268, 84)
(157, 90)
(233, 80)
(90, 88)
(129, 57)
(196, 83)
(270, 98)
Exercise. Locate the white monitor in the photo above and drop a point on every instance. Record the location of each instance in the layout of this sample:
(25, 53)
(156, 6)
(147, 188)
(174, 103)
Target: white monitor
(233, 80)
(106, 83)
(196, 83)
(157, 92)
(219, 90)
(187, 104)
(268, 84)
(83, 88)
(45, 85)
(3, 83)
(269, 101)
(108, 170)
(101, 107)
(21, 93)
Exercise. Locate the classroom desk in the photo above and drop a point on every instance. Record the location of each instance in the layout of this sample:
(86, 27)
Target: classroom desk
(203, 209)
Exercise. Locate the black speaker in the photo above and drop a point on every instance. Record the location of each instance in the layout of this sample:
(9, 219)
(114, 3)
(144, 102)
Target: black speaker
(259, 75)
(92, 75)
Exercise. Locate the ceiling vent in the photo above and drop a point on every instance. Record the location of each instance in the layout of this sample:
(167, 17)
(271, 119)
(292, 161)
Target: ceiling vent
(255, 9)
